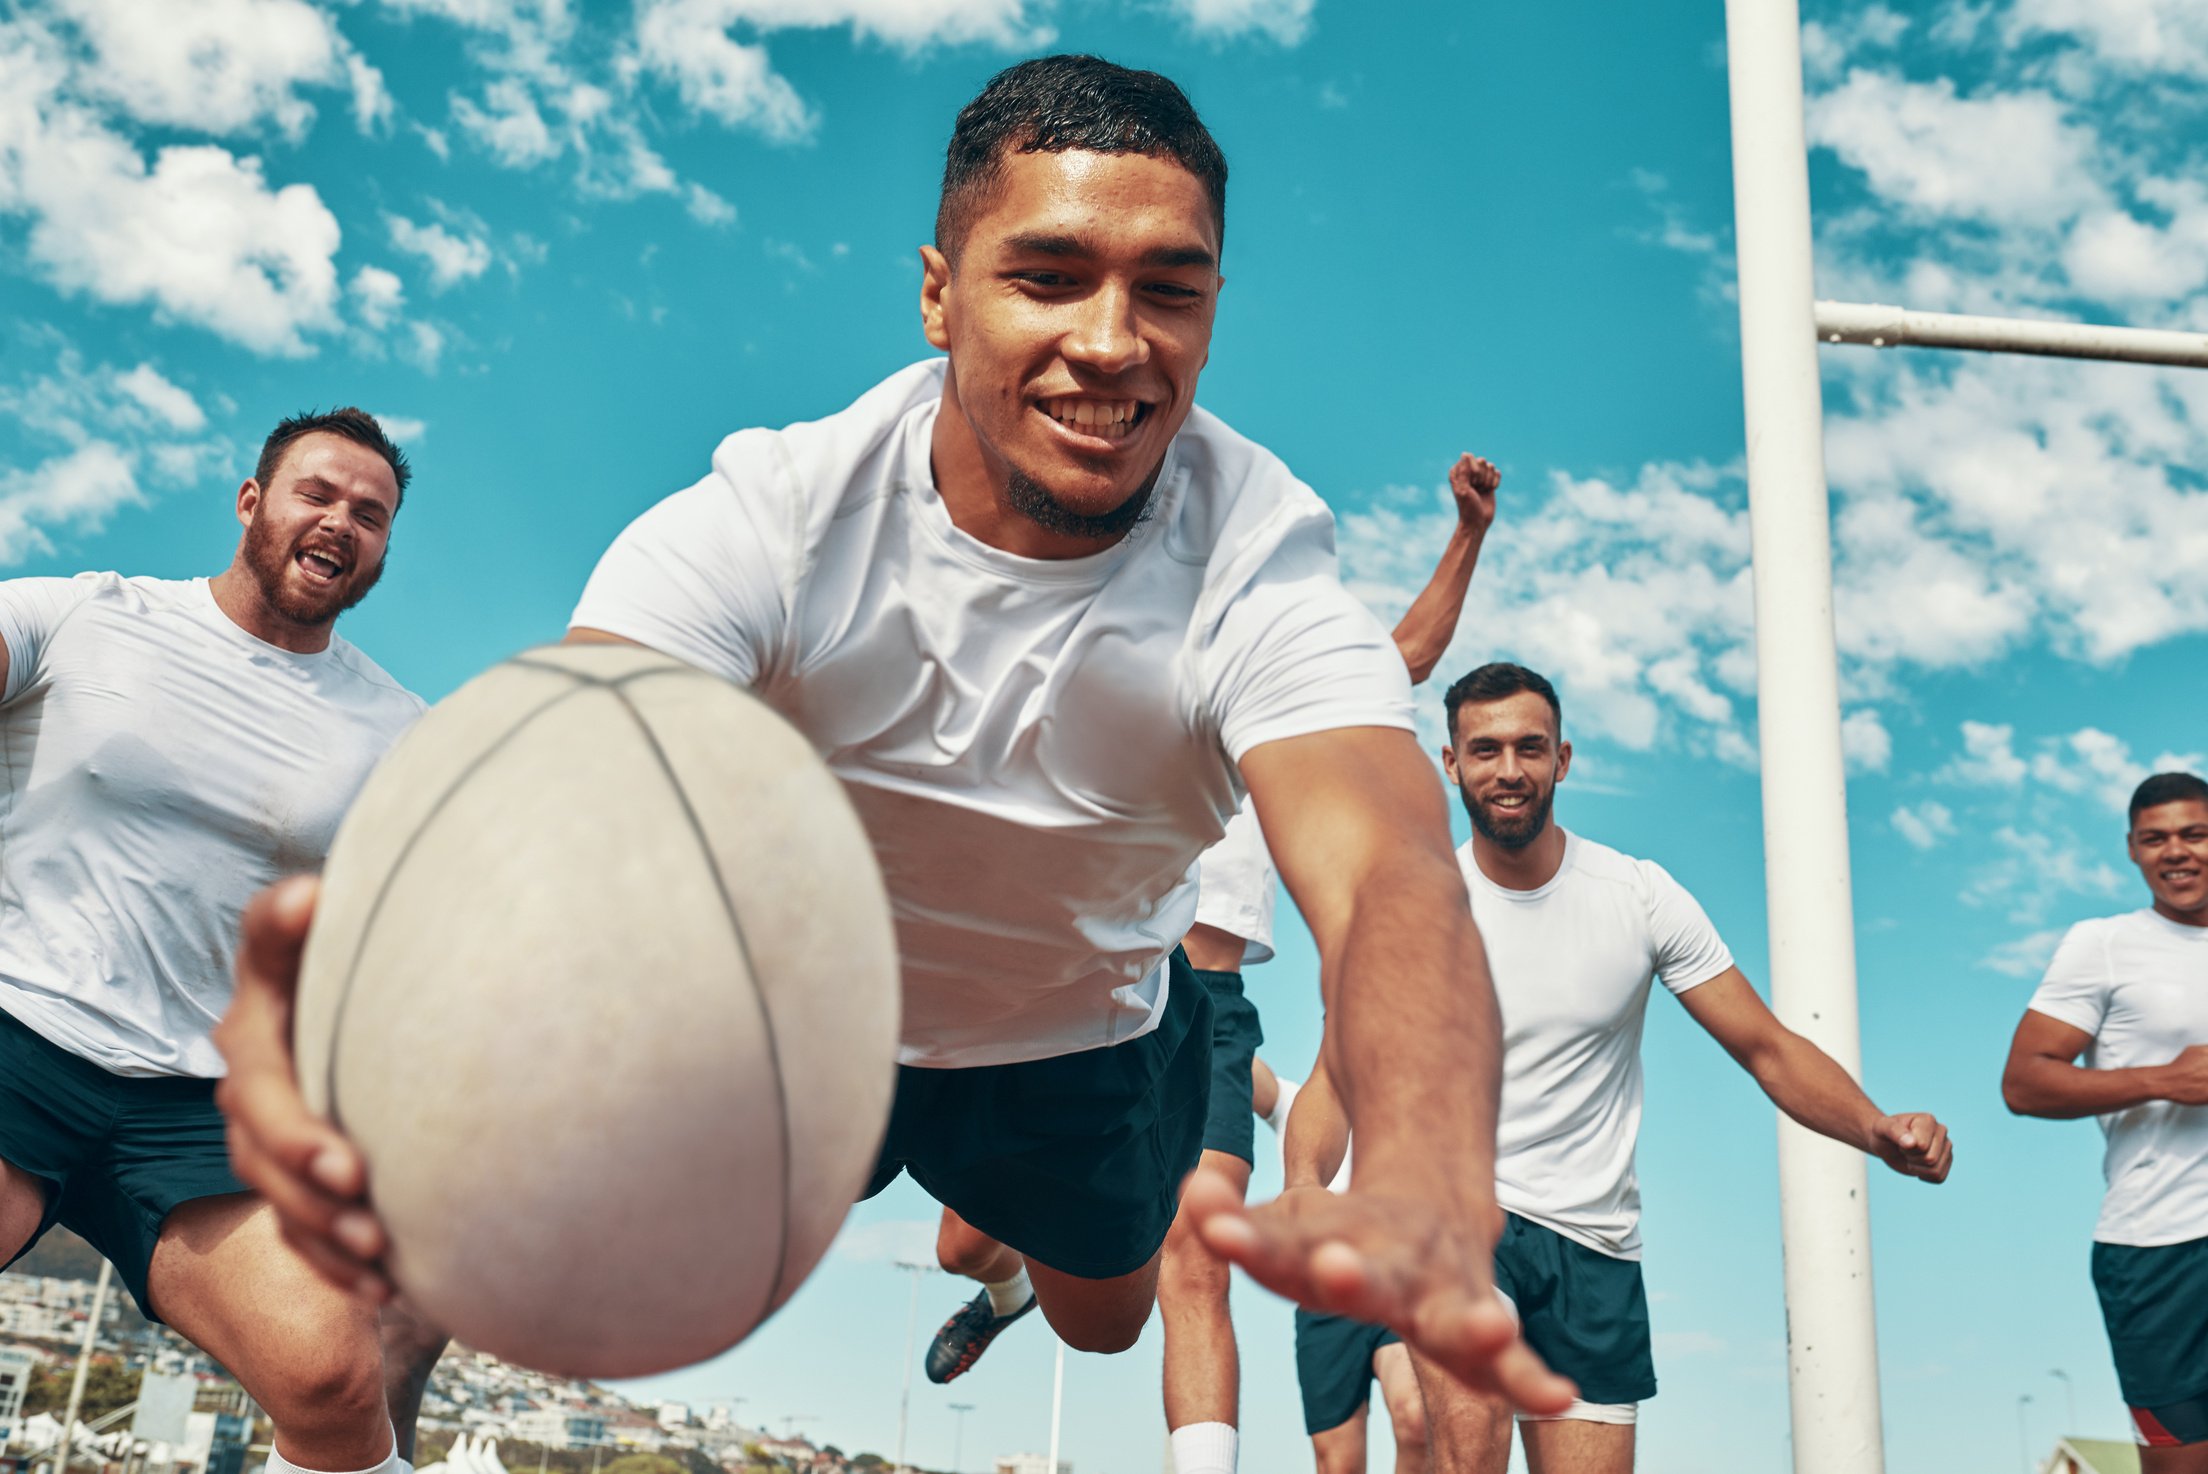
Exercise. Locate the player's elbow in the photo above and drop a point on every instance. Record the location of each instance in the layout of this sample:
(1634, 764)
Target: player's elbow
(2019, 1093)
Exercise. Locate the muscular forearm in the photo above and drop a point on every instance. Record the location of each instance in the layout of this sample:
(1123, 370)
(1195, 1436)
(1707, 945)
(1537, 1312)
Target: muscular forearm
(1413, 1040)
(2062, 1091)
(1423, 634)
(1809, 1085)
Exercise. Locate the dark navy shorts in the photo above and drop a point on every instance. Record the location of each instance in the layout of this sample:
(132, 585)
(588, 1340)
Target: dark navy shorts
(1235, 1035)
(1076, 1161)
(2154, 1302)
(1334, 1366)
(118, 1153)
(1584, 1312)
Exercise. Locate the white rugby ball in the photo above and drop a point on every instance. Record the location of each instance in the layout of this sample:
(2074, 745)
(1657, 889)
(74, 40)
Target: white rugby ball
(603, 982)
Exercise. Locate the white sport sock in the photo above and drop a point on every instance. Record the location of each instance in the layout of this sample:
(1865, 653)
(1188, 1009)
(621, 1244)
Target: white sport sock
(1007, 1296)
(1205, 1448)
(393, 1464)
(1278, 1120)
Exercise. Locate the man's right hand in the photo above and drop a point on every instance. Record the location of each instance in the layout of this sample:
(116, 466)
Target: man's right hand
(2184, 1080)
(313, 1177)
(1386, 1258)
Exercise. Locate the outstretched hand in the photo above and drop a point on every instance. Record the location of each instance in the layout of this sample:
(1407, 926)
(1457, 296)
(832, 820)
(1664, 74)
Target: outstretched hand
(1473, 481)
(315, 1179)
(1914, 1144)
(1389, 1260)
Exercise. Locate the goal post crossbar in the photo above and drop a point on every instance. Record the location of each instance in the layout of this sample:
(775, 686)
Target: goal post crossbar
(1875, 325)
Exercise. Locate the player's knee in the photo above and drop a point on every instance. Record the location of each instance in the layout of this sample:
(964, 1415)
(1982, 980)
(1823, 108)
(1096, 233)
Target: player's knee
(1192, 1279)
(318, 1385)
(956, 1254)
(1338, 1456)
(1408, 1417)
(1106, 1334)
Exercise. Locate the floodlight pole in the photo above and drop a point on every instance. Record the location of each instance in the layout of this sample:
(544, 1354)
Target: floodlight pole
(1057, 1406)
(912, 1327)
(84, 1365)
(1832, 1341)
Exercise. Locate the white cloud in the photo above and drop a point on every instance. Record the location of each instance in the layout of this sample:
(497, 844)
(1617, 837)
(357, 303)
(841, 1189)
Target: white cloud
(2033, 871)
(452, 257)
(1827, 45)
(1928, 149)
(117, 431)
(2114, 256)
(689, 43)
(2099, 763)
(508, 124)
(378, 296)
(171, 405)
(2026, 956)
(1989, 758)
(219, 66)
(199, 235)
(423, 346)
(706, 207)
(1865, 742)
(1964, 520)
(76, 491)
(1961, 536)
(1635, 599)
(403, 428)
(1285, 21)
(1925, 825)
(2135, 35)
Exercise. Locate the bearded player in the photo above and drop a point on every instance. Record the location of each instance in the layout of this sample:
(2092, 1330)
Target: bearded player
(1577, 933)
(173, 746)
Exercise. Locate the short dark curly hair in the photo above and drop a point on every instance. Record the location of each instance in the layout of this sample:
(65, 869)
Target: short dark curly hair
(1055, 103)
(1494, 681)
(2167, 788)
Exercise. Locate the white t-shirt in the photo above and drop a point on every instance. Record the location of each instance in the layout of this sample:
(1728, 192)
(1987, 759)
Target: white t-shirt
(1039, 749)
(1572, 963)
(158, 765)
(1235, 886)
(2138, 983)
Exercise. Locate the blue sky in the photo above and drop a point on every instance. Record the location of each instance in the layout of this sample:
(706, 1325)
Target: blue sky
(565, 247)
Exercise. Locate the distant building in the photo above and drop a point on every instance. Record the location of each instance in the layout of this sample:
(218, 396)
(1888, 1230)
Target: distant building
(16, 1367)
(216, 1442)
(1030, 1464)
(560, 1427)
(2091, 1456)
(28, 1318)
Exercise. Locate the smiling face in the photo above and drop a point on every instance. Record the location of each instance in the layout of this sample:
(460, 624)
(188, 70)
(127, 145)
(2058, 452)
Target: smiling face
(315, 534)
(1506, 758)
(2169, 844)
(1077, 318)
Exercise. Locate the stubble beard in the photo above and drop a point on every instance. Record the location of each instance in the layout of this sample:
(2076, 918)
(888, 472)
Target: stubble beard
(1514, 833)
(1034, 501)
(269, 562)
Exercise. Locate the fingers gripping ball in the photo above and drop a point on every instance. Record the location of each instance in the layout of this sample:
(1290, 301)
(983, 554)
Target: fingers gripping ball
(603, 983)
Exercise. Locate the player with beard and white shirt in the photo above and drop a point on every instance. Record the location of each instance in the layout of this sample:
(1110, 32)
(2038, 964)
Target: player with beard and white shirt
(2130, 993)
(171, 748)
(1575, 934)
